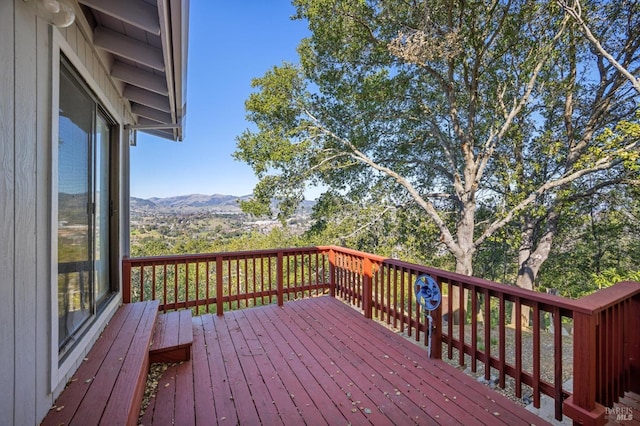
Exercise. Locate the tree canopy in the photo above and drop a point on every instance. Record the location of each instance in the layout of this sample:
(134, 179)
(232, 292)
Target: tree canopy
(476, 116)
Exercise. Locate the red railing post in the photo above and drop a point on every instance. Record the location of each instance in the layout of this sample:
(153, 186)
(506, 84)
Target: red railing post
(126, 280)
(634, 344)
(219, 287)
(436, 331)
(332, 273)
(582, 406)
(367, 290)
(280, 278)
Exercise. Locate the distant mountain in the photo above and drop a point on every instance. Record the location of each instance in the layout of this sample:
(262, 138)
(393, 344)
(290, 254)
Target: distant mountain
(220, 202)
(198, 200)
(141, 203)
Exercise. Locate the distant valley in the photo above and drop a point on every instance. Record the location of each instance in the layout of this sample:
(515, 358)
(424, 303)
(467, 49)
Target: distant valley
(216, 203)
(204, 217)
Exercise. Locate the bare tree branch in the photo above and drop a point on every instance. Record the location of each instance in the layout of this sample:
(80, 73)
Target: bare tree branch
(603, 164)
(575, 11)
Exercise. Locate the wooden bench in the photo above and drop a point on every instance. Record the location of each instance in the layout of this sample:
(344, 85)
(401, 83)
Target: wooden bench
(108, 386)
(172, 338)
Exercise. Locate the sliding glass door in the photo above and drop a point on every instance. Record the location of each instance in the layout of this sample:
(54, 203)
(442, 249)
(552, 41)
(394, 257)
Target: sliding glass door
(83, 206)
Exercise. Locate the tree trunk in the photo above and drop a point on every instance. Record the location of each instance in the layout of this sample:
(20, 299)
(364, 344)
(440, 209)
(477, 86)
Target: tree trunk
(464, 266)
(533, 254)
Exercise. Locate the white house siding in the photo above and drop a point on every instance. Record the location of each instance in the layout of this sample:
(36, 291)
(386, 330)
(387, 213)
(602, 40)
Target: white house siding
(7, 216)
(29, 378)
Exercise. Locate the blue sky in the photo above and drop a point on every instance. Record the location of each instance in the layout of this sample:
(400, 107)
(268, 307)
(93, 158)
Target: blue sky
(230, 42)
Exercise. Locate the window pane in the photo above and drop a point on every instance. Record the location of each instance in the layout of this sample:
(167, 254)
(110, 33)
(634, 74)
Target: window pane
(102, 208)
(74, 224)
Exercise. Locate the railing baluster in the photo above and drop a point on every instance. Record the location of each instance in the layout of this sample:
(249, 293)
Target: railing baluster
(153, 282)
(474, 328)
(487, 335)
(187, 266)
(142, 284)
(279, 278)
(207, 283)
(219, 286)
(164, 286)
(388, 286)
(536, 354)
(197, 296)
(395, 297)
(403, 273)
(502, 344)
(518, 348)
(558, 361)
(461, 322)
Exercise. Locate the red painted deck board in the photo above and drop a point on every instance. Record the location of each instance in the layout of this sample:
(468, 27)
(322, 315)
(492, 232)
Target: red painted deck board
(109, 384)
(205, 409)
(223, 398)
(626, 412)
(239, 384)
(317, 361)
(73, 395)
(260, 371)
(343, 316)
(394, 386)
(309, 396)
(172, 337)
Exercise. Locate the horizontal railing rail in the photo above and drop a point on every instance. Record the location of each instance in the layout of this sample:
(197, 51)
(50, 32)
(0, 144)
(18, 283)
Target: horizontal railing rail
(475, 323)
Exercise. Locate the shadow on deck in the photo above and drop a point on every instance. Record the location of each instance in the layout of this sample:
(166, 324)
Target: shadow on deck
(317, 361)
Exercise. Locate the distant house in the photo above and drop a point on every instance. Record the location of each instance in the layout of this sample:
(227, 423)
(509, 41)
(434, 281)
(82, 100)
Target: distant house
(77, 80)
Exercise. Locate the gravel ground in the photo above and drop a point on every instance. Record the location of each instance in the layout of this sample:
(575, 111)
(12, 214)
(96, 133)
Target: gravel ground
(155, 373)
(547, 362)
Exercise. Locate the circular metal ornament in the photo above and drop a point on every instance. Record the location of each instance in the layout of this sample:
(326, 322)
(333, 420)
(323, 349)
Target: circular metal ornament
(427, 292)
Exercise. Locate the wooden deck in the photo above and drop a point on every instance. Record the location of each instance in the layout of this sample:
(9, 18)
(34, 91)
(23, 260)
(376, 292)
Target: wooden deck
(317, 361)
(626, 412)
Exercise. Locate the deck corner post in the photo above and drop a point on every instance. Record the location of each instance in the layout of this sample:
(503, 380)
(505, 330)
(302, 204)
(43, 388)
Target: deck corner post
(126, 280)
(367, 290)
(332, 272)
(280, 279)
(582, 406)
(582, 416)
(219, 287)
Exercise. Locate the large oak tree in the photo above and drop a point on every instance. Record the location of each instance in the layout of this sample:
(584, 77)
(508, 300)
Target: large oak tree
(450, 105)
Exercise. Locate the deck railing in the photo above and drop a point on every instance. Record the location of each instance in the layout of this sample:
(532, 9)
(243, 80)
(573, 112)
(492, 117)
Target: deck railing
(472, 324)
(223, 281)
